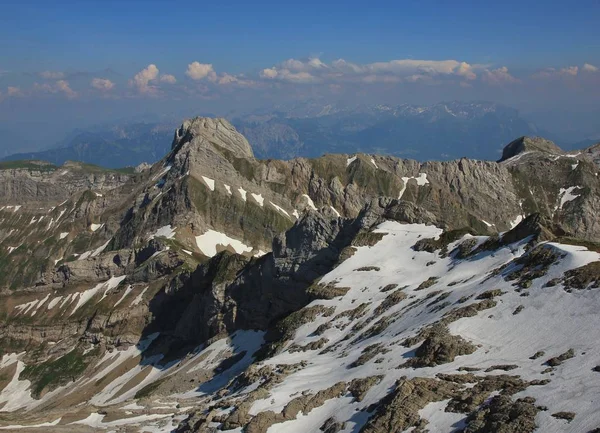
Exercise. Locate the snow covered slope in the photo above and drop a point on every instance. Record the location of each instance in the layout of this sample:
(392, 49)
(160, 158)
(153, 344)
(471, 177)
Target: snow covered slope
(456, 331)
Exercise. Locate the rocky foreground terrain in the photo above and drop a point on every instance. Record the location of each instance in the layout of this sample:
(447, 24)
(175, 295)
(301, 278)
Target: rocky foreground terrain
(217, 292)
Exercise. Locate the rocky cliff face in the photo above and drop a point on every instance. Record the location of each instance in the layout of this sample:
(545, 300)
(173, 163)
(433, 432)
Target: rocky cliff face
(31, 183)
(213, 276)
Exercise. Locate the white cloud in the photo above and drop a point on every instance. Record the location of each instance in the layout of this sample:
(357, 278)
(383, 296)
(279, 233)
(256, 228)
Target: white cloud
(316, 63)
(466, 70)
(288, 75)
(63, 86)
(52, 75)
(14, 91)
(102, 84)
(498, 76)
(168, 78)
(268, 73)
(570, 71)
(314, 70)
(198, 71)
(143, 79)
(589, 68)
(374, 78)
(60, 86)
(226, 79)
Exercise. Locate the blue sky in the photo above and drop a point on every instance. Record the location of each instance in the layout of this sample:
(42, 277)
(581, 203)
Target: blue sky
(88, 59)
(242, 36)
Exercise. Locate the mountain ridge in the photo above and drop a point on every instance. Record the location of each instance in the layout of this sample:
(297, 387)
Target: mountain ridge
(261, 280)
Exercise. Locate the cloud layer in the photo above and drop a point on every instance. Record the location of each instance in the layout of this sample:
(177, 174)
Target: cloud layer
(102, 84)
(337, 76)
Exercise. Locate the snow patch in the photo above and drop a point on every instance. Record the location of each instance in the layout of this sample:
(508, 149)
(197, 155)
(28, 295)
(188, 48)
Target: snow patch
(311, 204)
(516, 221)
(94, 253)
(208, 242)
(127, 291)
(209, 182)
(279, 209)
(259, 198)
(161, 173)
(566, 195)
(164, 232)
(139, 298)
(351, 160)
(421, 181)
(94, 227)
(85, 296)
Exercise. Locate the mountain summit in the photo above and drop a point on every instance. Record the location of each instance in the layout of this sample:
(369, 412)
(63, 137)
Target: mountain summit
(214, 131)
(529, 144)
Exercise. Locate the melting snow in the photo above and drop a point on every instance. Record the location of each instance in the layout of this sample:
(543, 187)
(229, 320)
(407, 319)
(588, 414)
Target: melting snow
(54, 302)
(350, 160)
(296, 214)
(311, 203)
(279, 208)
(164, 171)
(127, 291)
(63, 235)
(228, 188)
(259, 198)
(85, 296)
(18, 426)
(94, 253)
(242, 192)
(335, 211)
(566, 195)
(421, 180)
(207, 243)
(165, 232)
(139, 298)
(94, 227)
(16, 394)
(209, 182)
(516, 221)
(555, 320)
(373, 162)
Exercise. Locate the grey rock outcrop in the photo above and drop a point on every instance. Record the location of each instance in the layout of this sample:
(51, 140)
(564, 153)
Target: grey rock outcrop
(217, 131)
(529, 144)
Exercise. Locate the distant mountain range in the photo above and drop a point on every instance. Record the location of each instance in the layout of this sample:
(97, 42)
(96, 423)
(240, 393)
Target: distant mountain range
(112, 147)
(442, 131)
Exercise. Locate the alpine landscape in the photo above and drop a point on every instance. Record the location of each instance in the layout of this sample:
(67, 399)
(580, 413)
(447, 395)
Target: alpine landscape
(313, 245)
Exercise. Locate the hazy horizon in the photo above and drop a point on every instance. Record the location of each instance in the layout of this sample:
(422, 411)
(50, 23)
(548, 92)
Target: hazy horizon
(77, 65)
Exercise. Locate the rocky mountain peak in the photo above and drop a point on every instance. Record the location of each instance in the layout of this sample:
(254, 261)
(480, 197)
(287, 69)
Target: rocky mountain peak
(217, 131)
(529, 144)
